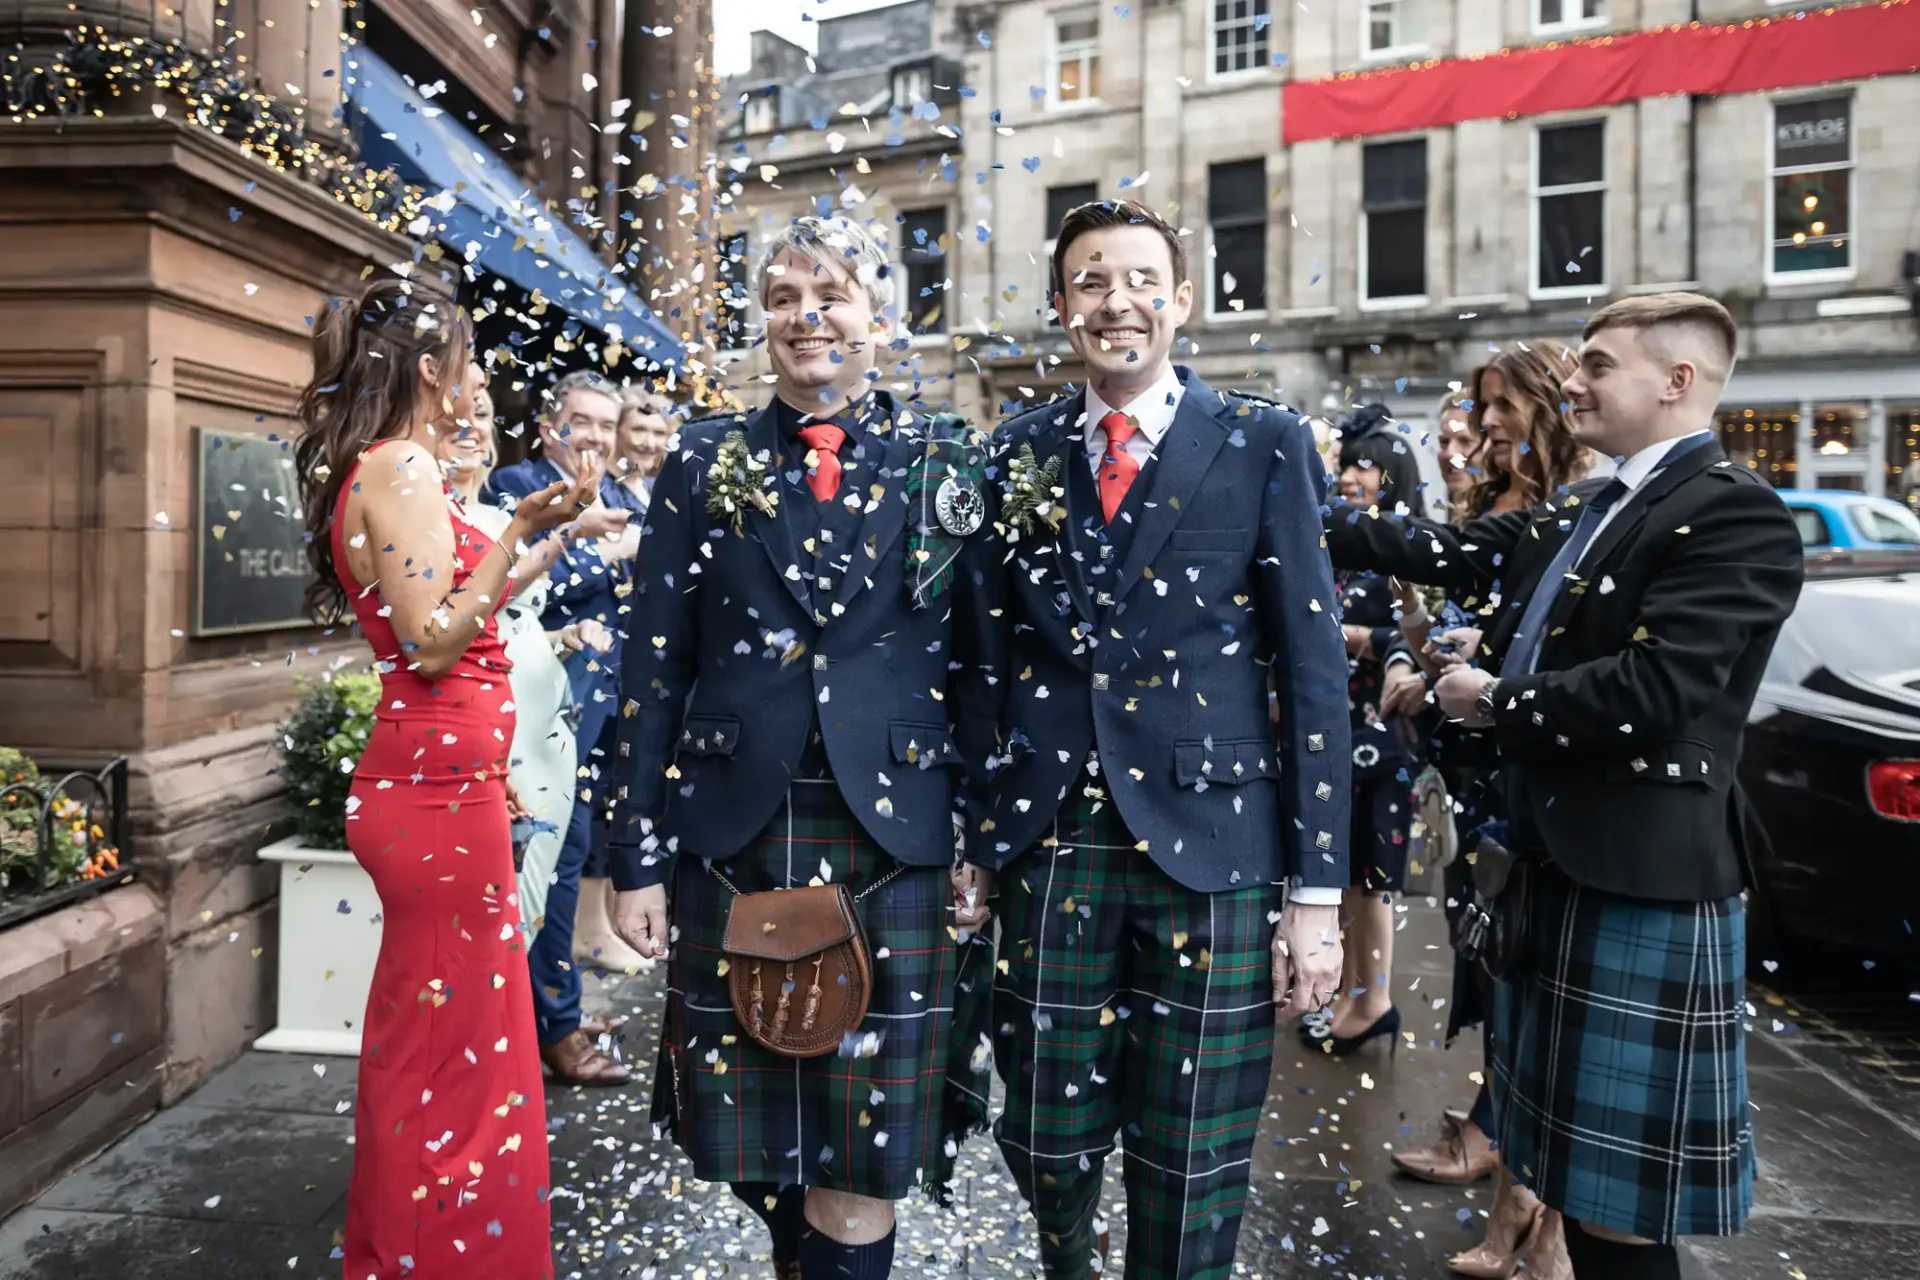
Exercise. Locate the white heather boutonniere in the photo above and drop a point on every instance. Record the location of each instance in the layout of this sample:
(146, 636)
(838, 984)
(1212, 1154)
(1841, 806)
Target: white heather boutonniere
(738, 480)
(1034, 497)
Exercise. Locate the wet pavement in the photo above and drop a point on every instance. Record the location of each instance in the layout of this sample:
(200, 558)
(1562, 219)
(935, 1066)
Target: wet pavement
(247, 1178)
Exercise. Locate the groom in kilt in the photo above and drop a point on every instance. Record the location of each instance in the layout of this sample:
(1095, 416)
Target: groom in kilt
(1170, 864)
(810, 685)
(1635, 616)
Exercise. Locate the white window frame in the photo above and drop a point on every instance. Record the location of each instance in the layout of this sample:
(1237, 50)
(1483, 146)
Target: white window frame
(1396, 51)
(1406, 301)
(1228, 314)
(1534, 192)
(762, 100)
(1824, 275)
(1058, 55)
(1214, 29)
(1566, 24)
(915, 80)
(904, 298)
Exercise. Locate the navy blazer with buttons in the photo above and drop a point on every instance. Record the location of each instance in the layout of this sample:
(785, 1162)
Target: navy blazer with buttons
(736, 653)
(1160, 656)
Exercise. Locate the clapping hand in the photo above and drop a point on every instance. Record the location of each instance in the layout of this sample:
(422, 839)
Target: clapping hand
(559, 503)
(1402, 691)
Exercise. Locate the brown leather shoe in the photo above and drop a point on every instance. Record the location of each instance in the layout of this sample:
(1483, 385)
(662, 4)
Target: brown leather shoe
(1462, 1155)
(575, 1059)
(606, 1026)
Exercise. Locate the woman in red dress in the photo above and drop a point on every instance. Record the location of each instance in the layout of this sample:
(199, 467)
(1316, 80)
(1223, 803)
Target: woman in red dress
(450, 1173)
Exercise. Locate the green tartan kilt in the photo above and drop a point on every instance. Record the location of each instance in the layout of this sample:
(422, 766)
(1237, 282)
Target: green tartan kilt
(1128, 1005)
(872, 1119)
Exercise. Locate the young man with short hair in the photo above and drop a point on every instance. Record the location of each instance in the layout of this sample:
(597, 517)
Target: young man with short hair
(1636, 615)
(586, 581)
(811, 681)
(1171, 864)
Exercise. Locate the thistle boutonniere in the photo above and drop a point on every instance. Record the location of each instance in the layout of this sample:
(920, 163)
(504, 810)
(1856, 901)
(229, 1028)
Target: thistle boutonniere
(739, 479)
(1034, 496)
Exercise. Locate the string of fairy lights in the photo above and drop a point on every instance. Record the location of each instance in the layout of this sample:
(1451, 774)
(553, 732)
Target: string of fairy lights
(99, 72)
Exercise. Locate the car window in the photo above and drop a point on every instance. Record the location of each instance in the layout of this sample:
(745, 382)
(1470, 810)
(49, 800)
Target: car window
(1813, 527)
(1885, 524)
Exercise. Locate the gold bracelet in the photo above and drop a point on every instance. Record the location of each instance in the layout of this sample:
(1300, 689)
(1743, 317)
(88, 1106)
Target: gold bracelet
(513, 557)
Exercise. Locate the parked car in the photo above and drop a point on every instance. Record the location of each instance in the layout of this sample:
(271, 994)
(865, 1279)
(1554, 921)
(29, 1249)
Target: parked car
(1831, 770)
(1840, 526)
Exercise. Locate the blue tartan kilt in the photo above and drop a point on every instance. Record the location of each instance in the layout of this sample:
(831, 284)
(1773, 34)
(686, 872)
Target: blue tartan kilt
(875, 1119)
(1620, 1074)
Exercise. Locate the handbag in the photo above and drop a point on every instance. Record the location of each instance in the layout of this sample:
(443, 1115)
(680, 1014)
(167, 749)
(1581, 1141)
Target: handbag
(799, 974)
(1494, 930)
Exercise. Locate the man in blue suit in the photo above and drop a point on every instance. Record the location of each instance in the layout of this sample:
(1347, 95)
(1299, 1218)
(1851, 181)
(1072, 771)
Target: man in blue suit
(810, 687)
(588, 581)
(1151, 826)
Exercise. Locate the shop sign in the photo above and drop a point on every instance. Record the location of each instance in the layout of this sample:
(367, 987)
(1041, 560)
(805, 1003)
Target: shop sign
(250, 561)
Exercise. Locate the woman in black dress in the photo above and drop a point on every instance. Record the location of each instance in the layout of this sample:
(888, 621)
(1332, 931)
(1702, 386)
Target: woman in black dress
(1384, 690)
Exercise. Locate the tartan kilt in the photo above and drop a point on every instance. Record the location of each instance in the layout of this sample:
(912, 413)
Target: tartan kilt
(1619, 1061)
(1128, 1006)
(869, 1120)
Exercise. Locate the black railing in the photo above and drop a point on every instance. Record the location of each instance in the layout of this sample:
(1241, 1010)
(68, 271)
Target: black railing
(100, 800)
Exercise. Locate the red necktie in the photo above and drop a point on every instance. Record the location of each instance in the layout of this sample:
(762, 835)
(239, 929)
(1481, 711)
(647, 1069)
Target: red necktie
(1117, 467)
(825, 440)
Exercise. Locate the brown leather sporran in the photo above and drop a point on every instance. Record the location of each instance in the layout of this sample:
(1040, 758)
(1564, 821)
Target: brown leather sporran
(798, 970)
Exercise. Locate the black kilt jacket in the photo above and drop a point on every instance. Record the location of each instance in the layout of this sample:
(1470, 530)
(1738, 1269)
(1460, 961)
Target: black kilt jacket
(1628, 731)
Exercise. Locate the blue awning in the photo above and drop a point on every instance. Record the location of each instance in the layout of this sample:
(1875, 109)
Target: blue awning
(482, 211)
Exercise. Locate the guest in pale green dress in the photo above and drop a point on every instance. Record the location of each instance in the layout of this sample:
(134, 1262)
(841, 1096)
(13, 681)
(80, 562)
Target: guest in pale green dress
(543, 759)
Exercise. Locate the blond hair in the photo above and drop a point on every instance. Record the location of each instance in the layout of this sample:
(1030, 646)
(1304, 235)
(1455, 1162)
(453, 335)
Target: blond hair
(835, 244)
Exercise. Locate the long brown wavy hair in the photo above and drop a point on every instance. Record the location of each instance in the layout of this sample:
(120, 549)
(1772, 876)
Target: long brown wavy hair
(1553, 457)
(366, 386)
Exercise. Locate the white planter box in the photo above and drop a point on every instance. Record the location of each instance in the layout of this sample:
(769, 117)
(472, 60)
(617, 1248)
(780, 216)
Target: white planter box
(327, 950)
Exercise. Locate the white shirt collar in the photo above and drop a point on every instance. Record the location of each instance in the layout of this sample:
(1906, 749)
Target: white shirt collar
(1634, 471)
(1153, 409)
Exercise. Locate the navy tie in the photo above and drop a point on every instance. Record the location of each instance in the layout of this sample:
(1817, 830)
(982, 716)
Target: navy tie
(1525, 649)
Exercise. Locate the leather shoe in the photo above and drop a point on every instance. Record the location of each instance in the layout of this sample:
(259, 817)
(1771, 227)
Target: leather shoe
(1460, 1156)
(576, 1060)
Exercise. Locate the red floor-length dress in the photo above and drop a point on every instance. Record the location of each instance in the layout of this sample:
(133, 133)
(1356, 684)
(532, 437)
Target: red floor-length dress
(450, 1172)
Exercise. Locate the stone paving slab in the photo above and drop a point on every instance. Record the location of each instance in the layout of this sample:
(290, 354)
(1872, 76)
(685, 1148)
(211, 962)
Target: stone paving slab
(1838, 1192)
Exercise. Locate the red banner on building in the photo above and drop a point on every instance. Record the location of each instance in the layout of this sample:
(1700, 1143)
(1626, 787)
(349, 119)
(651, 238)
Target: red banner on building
(1763, 53)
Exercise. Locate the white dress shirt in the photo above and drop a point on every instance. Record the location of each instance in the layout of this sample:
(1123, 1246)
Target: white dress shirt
(1634, 473)
(1153, 409)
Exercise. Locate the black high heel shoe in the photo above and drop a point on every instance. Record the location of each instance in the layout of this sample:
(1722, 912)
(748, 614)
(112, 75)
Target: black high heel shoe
(1387, 1024)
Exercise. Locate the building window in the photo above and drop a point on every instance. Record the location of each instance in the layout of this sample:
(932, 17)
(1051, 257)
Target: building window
(1393, 201)
(761, 112)
(1569, 208)
(1239, 35)
(1812, 187)
(923, 251)
(1074, 68)
(730, 315)
(1237, 229)
(1762, 441)
(1568, 15)
(1393, 26)
(911, 85)
(1060, 202)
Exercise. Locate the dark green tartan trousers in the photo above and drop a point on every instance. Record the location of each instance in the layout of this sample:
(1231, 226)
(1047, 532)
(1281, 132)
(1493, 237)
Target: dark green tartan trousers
(1128, 1004)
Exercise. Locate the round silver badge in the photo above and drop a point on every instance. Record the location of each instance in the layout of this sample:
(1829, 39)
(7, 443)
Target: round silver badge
(961, 507)
(1366, 755)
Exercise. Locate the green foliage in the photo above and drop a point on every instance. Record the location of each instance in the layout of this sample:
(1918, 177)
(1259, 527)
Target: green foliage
(74, 846)
(319, 745)
(19, 822)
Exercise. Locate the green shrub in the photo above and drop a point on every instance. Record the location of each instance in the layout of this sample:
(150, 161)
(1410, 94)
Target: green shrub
(319, 745)
(75, 848)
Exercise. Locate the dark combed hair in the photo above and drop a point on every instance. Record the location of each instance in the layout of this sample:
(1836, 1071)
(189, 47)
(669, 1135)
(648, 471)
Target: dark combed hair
(1554, 457)
(1369, 440)
(366, 386)
(1113, 213)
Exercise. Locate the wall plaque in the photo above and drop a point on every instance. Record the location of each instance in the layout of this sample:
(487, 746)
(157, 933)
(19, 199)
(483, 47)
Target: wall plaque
(250, 559)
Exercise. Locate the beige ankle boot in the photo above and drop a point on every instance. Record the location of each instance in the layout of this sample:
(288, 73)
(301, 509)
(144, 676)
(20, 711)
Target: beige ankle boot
(595, 945)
